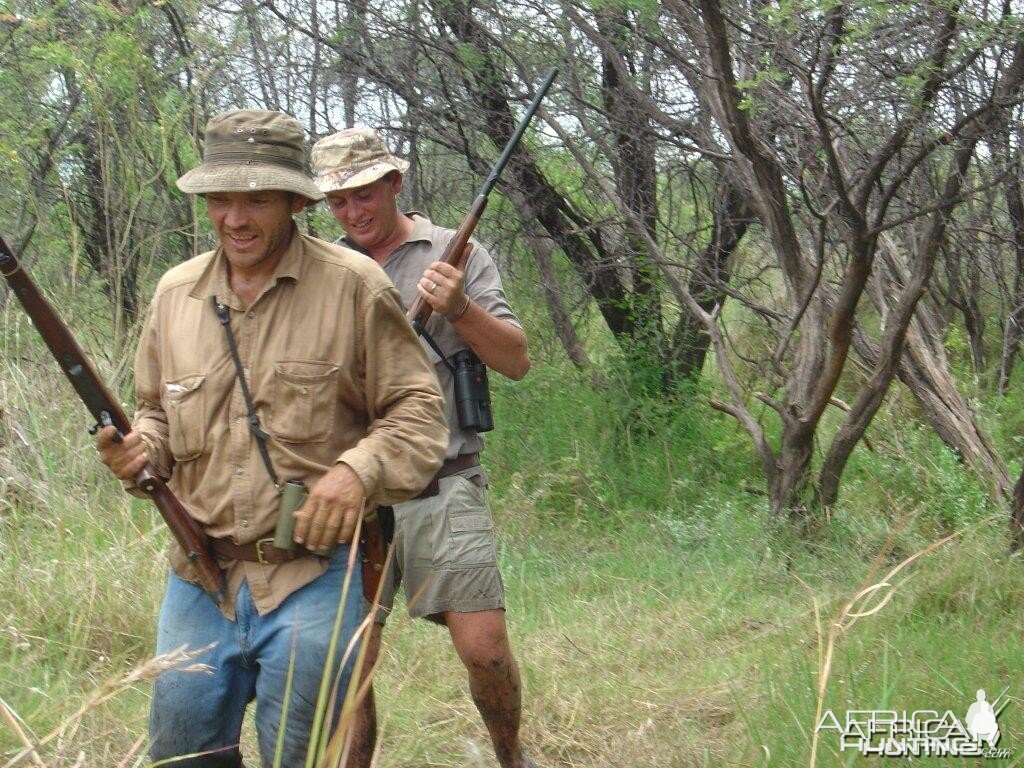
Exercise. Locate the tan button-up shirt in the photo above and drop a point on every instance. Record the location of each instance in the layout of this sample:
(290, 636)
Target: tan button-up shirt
(336, 375)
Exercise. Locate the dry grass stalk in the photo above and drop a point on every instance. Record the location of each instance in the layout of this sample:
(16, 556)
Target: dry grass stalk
(339, 747)
(847, 616)
(177, 659)
(135, 749)
(341, 739)
(14, 723)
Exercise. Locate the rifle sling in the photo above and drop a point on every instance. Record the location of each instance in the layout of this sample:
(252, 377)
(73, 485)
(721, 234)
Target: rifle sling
(224, 315)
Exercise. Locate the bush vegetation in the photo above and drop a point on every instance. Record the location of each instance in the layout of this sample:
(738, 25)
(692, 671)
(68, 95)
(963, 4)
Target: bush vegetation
(661, 615)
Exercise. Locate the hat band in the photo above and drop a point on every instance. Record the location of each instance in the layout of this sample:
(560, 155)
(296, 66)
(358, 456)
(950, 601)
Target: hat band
(232, 156)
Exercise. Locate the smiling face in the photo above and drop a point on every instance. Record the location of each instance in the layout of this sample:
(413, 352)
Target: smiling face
(254, 228)
(370, 215)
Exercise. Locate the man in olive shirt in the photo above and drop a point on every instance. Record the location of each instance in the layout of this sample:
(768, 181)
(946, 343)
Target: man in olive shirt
(346, 402)
(445, 547)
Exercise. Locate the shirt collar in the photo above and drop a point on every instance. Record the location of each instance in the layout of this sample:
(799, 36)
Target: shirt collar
(422, 228)
(422, 231)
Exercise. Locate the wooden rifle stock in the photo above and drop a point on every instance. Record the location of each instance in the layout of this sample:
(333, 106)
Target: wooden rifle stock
(458, 249)
(107, 412)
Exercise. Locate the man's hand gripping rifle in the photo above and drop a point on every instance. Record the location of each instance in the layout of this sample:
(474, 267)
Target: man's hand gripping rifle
(107, 412)
(459, 247)
(472, 395)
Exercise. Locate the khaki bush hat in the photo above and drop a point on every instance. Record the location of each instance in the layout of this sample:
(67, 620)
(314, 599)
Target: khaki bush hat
(352, 158)
(248, 150)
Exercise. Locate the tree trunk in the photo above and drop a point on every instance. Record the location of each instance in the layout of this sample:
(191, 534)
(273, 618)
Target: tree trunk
(587, 253)
(542, 249)
(788, 490)
(926, 372)
(711, 274)
(1012, 331)
(635, 171)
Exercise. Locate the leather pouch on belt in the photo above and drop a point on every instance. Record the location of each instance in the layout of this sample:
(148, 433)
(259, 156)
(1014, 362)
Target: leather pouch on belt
(378, 531)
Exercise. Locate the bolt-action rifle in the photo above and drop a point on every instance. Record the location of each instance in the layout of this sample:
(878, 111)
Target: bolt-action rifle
(376, 540)
(107, 412)
(458, 249)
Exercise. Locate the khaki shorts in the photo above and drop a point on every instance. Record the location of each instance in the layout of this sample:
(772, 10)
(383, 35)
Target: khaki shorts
(445, 552)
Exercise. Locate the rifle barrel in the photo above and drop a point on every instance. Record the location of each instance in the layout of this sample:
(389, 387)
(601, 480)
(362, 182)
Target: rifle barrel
(506, 153)
(420, 311)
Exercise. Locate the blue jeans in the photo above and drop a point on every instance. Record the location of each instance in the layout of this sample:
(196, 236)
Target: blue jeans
(194, 712)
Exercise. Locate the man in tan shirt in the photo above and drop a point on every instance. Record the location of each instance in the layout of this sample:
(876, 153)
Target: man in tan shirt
(342, 399)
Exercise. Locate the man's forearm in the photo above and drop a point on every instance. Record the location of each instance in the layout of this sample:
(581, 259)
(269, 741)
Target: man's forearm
(500, 345)
(406, 442)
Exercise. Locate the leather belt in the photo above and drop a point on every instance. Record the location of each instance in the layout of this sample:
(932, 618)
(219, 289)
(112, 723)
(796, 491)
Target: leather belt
(262, 551)
(451, 467)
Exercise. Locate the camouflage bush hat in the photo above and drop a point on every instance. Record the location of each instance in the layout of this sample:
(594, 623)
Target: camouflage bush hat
(352, 158)
(248, 150)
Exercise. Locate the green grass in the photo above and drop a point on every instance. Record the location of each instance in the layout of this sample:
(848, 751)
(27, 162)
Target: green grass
(660, 617)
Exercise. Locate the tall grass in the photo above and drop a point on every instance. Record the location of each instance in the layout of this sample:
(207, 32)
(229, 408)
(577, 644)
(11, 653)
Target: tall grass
(661, 617)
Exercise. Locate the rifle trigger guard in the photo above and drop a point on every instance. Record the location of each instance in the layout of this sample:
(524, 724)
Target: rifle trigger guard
(105, 421)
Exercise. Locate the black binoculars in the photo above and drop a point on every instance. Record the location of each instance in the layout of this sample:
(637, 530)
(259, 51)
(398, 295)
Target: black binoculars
(472, 393)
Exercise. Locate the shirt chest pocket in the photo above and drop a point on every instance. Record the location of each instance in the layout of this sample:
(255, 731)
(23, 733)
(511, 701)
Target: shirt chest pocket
(185, 405)
(304, 400)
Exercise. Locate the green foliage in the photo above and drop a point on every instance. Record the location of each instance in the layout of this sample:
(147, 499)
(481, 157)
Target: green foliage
(472, 58)
(1005, 420)
(660, 613)
(645, 584)
(912, 469)
(646, 11)
(609, 453)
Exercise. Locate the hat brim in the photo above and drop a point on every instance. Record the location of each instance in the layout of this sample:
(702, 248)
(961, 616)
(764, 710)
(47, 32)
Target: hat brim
(339, 180)
(257, 177)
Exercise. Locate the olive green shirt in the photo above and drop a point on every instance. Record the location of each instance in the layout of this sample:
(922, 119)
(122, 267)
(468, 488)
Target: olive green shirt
(336, 375)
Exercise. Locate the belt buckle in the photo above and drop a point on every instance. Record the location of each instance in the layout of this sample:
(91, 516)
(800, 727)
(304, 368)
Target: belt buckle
(259, 550)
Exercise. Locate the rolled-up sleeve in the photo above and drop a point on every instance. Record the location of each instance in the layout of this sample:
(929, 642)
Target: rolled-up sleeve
(408, 434)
